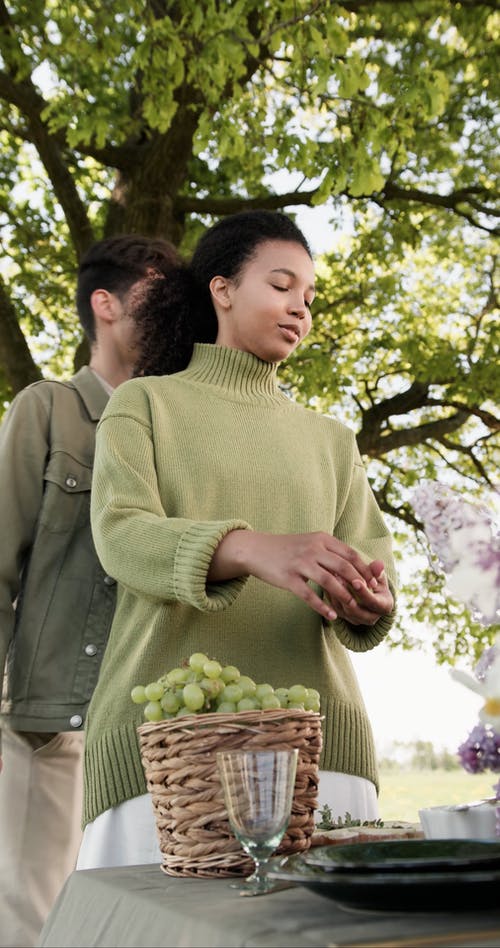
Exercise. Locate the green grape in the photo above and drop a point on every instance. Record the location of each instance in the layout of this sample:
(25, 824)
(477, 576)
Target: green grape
(153, 711)
(270, 701)
(297, 693)
(247, 704)
(194, 696)
(170, 702)
(232, 692)
(263, 689)
(197, 661)
(247, 686)
(182, 712)
(313, 700)
(202, 684)
(282, 695)
(312, 693)
(177, 676)
(212, 687)
(212, 669)
(154, 691)
(227, 707)
(138, 694)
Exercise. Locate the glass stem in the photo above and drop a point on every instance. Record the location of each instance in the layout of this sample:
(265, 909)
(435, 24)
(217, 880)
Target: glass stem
(258, 879)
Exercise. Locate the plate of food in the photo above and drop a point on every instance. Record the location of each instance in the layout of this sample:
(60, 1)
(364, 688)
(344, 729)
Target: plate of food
(417, 855)
(333, 833)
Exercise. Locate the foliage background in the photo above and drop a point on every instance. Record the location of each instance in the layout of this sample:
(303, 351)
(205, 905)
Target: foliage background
(158, 117)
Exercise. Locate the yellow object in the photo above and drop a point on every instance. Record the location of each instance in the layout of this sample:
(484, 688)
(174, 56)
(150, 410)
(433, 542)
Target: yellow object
(492, 706)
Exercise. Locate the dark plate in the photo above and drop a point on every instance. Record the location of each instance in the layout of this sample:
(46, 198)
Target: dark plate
(397, 891)
(416, 855)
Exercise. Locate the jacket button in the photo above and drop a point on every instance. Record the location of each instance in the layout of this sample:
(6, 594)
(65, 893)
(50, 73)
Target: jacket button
(76, 720)
(71, 481)
(90, 649)
(109, 581)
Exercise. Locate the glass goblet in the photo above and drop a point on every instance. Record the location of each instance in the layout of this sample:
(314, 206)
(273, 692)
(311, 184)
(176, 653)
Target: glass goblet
(258, 791)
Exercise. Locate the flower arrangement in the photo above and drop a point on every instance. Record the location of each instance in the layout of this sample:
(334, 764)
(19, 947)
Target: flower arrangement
(481, 749)
(467, 547)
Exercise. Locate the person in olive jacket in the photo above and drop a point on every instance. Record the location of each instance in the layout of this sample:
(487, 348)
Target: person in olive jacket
(56, 601)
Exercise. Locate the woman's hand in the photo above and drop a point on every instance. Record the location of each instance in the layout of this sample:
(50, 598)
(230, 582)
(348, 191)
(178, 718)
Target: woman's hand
(372, 601)
(354, 590)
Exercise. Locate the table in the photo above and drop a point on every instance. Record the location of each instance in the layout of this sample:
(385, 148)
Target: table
(141, 906)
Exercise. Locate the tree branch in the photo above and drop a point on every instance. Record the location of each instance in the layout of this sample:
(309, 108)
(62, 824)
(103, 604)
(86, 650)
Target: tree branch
(400, 404)
(486, 417)
(229, 205)
(399, 513)
(17, 362)
(468, 450)
(381, 443)
(23, 94)
(451, 201)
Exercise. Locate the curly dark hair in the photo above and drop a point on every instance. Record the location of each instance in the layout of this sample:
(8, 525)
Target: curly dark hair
(185, 299)
(166, 324)
(117, 263)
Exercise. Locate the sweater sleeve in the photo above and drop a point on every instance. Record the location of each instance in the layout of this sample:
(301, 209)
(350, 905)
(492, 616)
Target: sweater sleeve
(152, 554)
(362, 526)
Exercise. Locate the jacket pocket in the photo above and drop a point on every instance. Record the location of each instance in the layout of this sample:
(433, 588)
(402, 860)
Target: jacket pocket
(66, 494)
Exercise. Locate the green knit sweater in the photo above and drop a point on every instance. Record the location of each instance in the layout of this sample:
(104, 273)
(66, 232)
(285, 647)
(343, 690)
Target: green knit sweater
(180, 461)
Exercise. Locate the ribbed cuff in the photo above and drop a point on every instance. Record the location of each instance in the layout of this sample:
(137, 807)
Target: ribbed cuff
(193, 556)
(362, 638)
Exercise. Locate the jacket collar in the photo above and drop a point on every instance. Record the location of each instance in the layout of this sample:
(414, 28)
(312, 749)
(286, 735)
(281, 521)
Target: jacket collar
(91, 392)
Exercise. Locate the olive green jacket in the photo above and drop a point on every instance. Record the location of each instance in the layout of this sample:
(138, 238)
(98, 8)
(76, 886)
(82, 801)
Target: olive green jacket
(56, 602)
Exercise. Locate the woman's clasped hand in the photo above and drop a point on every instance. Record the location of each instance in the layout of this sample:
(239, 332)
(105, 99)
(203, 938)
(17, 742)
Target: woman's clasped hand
(354, 590)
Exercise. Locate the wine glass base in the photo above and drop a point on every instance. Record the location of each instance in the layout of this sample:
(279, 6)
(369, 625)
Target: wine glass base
(246, 888)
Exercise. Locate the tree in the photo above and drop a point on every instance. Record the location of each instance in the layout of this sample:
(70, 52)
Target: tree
(424, 757)
(158, 116)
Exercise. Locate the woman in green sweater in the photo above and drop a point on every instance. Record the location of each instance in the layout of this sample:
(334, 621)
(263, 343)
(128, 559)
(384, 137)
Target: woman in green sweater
(236, 523)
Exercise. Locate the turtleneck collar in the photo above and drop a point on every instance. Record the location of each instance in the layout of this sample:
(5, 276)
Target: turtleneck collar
(238, 373)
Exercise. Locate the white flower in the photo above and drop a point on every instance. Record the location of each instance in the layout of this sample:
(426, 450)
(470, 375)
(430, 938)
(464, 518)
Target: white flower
(467, 546)
(488, 687)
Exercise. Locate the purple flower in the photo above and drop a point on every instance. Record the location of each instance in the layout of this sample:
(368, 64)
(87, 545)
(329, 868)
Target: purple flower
(481, 751)
(485, 661)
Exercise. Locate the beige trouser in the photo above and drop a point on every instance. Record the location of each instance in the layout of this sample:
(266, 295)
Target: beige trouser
(40, 828)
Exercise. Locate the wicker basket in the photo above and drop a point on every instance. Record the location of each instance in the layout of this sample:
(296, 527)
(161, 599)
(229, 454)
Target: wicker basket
(179, 761)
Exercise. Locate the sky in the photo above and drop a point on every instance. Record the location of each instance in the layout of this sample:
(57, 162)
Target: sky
(408, 696)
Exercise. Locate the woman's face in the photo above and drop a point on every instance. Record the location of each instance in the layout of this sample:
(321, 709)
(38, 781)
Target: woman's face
(266, 311)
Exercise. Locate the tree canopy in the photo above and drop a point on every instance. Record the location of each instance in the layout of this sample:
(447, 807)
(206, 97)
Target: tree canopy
(157, 117)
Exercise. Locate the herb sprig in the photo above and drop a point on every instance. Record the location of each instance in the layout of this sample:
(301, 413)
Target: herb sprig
(327, 822)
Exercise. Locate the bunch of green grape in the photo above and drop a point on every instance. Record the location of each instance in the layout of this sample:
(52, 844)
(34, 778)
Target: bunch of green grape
(204, 685)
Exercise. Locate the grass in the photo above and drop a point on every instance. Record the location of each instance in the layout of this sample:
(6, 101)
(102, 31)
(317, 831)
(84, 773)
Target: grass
(403, 792)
